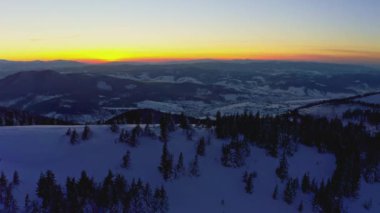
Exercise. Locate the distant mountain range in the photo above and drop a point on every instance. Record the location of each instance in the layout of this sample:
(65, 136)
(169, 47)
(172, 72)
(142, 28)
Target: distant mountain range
(11, 67)
(76, 91)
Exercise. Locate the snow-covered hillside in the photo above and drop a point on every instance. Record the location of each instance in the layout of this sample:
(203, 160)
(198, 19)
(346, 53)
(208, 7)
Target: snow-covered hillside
(82, 93)
(35, 149)
(371, 99)
(363, 109)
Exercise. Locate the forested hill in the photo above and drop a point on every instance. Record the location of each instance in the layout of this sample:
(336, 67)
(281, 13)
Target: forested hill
(12, 117)
(150, 116)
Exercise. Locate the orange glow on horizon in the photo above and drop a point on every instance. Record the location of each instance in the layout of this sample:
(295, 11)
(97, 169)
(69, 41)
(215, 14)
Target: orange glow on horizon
(331, 58)
(269, 57)
(119, 55)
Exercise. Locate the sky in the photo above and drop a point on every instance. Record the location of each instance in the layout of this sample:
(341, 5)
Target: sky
(113, 30)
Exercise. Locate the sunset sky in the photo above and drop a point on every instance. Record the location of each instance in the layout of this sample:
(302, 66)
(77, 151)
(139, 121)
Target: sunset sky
(111, 30)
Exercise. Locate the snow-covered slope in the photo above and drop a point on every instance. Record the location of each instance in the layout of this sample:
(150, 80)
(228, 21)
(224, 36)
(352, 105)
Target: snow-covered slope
(32, 150)
(365, 106)
(371, 99)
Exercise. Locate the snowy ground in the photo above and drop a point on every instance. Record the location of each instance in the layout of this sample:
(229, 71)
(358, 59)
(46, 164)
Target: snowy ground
(32, 150)
(372, 99)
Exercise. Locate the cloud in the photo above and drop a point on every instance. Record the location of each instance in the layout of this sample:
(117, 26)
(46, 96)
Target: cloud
(350, 51)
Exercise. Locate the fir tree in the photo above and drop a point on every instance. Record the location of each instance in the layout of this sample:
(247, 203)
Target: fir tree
(290, 191)
(235, 153)
(27, 203)
(282, 169)
(189, 133)
(201, 147)
(86, 133)
(3, 181)
(161, 202)
(50, 192)
(10, 204)
(300, 207)
(16, 179)
(248, 181)
(85, 186)
(68, 132)
(164, 131)
(305, 186)
(171, 123)
(225, 156)
(132, 141)
(194, 167)
(164, 200)
(183, 122)
(208, 122)
(180, 167)
(114, 127)
(249, 184)
(72, 201)
(148, 131)
(166, 164)
(219, 131)
(126, 160)
(74, 137)
(123, 136)
(120, 185)
(367, 204)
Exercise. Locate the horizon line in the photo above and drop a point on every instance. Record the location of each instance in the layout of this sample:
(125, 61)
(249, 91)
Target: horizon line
(179, 60)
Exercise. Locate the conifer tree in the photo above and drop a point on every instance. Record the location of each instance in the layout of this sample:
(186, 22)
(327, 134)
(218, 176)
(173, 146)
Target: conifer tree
(201, 147)
(166, 164)
(161, 203)
(114, 127)
(171, 123)
(148, 131)
(10, 204)
(164, 200)
(189, 133)
(235, 153)
(123, 136)
(208, 122)
(305, 186)
(367, 204)
(300, 207)
(290, 191)
(74, 137)
(126, 160)
(219, 131)
(50, 192)
(3, 181)
(16, 178)
(86, 133)
(194, 167)
(132, 141)
(164, 131)
(249, 184)
(282, 169)
(85, 186)
(68, 132)
(180, 167)
(225, 156)
(27, 203)
(183, 122)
